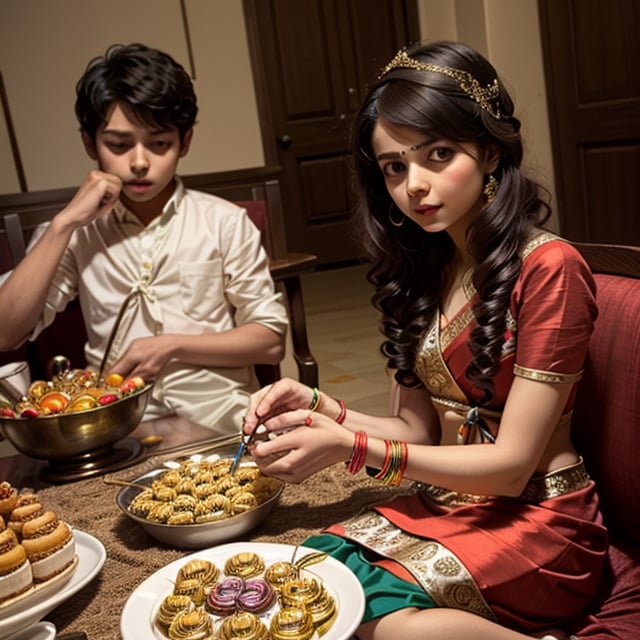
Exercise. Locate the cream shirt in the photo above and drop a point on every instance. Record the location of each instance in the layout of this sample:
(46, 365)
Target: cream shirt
(198, 268)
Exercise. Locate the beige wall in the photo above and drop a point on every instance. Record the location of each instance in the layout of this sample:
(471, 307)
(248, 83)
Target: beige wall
(43, 52)
(508, 33)
(45, 46)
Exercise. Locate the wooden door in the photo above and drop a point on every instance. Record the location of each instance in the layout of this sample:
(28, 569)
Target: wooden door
(312, 61)
(591, 53)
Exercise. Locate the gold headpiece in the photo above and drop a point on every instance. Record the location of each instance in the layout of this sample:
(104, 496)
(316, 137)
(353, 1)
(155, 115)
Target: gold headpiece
(482, 95)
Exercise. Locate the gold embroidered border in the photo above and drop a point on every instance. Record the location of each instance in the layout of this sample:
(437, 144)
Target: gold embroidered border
(545, 376)
(457, 325)
(555, 484)
(538, 241)
(438, 571)
(432, 369)
(539, 488)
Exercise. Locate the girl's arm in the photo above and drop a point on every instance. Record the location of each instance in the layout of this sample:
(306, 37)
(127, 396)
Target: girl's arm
(529, 419)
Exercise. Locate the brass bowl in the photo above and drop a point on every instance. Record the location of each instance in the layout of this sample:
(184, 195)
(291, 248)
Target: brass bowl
(197, 536)
(70, 435)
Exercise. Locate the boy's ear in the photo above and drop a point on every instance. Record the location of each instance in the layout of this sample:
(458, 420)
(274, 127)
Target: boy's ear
(89, 145)
(186, 143)
(492, 158)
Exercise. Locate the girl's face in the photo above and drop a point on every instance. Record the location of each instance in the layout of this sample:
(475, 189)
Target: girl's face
(144, 158)
(436, 183)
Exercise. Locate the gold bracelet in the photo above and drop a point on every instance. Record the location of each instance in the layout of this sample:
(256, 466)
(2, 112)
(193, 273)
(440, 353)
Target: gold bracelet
(315, 399)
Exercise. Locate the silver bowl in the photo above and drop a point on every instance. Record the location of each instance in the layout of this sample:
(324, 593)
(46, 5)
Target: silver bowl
(196, 536)
(68, 436)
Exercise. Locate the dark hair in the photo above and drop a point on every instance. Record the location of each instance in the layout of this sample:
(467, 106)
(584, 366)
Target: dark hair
(147, 83)
(409, 267)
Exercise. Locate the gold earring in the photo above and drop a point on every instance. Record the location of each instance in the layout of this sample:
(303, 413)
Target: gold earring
(395, 223)
(490, 188)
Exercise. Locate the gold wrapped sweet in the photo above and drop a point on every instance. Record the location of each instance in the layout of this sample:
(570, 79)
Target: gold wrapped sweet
(243, 501)
(191, 625)
(202, 570)
(181, 517)
(191, 587)
(311, 594)
(282, 572)
(245, 564)
(279, 573)
(243, 626)
(160, 512)
(292, 623)
(170, 607)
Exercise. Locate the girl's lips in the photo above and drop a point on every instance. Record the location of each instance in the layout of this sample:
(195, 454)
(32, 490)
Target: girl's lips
(427, 210)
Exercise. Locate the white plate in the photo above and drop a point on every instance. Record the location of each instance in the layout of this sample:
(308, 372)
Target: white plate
(37, 631)
(91, 556)
(136, 620)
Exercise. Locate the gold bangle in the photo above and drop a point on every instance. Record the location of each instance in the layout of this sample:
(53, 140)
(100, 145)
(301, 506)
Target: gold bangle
(315, 399)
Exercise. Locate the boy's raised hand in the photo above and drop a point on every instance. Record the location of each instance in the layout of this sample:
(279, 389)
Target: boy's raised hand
(96, 196)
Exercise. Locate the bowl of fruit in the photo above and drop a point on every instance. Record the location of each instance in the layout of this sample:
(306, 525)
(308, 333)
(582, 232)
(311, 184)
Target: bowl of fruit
(76, 413)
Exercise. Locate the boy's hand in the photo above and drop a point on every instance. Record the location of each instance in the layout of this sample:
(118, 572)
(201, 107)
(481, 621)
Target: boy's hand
(146, 357)
(96, 195)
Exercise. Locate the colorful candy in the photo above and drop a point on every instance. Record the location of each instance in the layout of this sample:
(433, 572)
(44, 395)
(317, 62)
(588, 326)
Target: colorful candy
(71, 391)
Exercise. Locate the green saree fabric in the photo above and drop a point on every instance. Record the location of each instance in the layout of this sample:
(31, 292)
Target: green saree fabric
(384, 592)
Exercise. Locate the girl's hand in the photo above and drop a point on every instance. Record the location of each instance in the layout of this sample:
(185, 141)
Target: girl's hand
(299, 444)
(284, 395)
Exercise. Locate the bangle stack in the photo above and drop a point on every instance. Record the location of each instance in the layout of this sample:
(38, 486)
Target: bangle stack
(315, 399)
(359, 453)
(395, 462)
(343, 412)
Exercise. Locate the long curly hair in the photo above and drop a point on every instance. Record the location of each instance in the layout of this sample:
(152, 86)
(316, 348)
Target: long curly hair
(410, 267)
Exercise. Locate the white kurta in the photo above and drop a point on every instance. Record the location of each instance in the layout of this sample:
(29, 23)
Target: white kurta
(198, 268)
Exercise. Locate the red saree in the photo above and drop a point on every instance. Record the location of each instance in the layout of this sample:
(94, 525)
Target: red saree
(530, 562)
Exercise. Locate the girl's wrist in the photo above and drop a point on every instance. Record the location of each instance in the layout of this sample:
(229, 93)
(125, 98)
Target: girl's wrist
(331, 407)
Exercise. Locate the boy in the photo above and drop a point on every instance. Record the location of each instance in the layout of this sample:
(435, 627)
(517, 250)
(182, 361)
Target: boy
(202, 308)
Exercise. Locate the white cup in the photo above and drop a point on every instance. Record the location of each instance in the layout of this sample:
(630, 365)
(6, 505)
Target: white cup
(17, 374)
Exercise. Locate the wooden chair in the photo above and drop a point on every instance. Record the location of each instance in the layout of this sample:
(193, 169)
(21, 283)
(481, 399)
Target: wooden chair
(606, 432)
(257, 190)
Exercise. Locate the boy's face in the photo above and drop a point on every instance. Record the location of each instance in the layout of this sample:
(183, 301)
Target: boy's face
(144, 158)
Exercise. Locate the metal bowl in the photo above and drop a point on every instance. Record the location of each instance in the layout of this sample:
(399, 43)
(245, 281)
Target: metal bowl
(70, 435)
(196, 536)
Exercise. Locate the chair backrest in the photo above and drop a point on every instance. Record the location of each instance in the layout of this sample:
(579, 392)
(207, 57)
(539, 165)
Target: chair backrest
(20, 214)
(606, 424)
(257, 190)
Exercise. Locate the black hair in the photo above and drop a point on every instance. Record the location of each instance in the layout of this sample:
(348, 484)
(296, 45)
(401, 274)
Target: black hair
(409, 266)
(147, 83)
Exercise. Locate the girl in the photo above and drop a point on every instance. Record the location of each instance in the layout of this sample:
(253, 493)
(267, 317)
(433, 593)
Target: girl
(486, 319)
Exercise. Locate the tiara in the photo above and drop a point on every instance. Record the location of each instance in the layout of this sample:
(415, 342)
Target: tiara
(482, 95)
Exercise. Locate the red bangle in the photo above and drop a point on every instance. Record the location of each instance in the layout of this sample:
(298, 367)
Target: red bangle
(395, 462)
(343, 412)
(359, 453)
(384, 470)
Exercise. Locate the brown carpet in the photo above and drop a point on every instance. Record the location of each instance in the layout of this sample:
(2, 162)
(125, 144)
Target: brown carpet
(133, 555)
